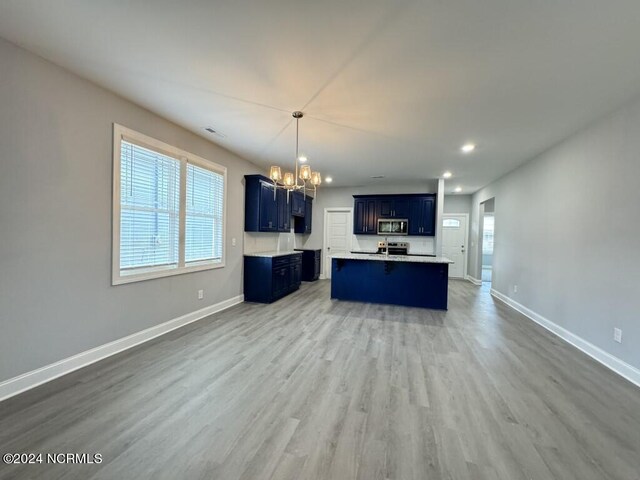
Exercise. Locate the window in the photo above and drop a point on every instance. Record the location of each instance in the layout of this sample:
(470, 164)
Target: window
(451, 223)
(169, 209)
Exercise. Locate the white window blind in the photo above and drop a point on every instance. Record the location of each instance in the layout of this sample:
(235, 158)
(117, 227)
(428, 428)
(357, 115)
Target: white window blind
(168, 209)
(204, 214)
(149, 208)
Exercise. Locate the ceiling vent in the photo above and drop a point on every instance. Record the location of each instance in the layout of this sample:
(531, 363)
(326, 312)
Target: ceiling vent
(213, 131)
(377, 176)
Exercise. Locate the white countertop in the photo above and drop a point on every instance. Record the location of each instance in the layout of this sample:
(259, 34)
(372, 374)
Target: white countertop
(391, 258)
(271, 254)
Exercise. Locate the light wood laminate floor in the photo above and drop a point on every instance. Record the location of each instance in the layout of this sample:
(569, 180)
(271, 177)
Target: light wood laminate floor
(309, 388)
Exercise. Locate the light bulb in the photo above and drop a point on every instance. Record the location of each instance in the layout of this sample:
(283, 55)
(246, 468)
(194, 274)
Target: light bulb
(289, 180)
(316, 178)
(305, 172)
(275, 173)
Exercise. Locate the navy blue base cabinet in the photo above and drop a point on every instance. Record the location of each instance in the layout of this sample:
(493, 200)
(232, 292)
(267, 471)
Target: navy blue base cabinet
(267, 279)
(310, 264)
(391, 282)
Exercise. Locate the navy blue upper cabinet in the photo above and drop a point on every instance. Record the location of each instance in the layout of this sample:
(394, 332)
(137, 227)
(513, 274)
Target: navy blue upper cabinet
(401, 207)
(422, 220)
(393, 207)
(265, 211)
(297, 204)
(385, 207)
(365, 216)
(267, 208)
(303, 224)
(415, 215)
(429, 215)
(283, 202)
(419, 209)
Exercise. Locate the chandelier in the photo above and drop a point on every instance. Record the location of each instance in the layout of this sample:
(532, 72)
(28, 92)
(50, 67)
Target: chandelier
(302, 178)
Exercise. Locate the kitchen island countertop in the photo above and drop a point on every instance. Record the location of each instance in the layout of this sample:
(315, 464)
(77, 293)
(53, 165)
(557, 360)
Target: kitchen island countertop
(271, 254)
(390, 258)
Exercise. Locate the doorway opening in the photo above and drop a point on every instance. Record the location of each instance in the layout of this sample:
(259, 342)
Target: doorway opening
(488, 229)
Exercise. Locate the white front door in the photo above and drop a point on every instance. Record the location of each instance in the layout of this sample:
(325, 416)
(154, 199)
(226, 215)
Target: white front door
(337, 235)
(454, 243)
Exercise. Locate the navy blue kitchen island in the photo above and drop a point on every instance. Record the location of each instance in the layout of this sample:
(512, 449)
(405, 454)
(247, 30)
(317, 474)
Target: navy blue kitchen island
(406, 280)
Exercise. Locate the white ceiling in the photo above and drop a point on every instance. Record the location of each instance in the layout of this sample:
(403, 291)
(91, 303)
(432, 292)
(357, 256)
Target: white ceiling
(388, 87)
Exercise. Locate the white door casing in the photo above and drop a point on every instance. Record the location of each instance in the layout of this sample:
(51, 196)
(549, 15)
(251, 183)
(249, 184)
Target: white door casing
(338, 234)
(454, 242)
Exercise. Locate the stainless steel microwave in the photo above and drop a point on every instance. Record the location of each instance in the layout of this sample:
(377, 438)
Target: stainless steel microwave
(393, 226)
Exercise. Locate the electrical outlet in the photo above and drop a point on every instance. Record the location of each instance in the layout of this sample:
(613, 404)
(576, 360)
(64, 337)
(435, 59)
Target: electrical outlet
(515, 289)
(233, 242)
(200, 294)
(617, 335)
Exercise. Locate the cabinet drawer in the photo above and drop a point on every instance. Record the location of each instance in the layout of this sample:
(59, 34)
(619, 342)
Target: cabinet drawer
(286, 260)
(281, 261)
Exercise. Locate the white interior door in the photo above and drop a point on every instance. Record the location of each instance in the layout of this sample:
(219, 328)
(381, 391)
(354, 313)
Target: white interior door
(337, 235)
(454, 243)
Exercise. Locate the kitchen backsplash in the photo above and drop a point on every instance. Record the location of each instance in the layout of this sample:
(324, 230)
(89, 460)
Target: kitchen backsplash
(369, 243)
(285, 242)
(268, 242)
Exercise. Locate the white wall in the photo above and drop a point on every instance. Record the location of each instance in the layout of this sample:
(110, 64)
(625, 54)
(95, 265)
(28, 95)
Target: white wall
(56, 298)
(457, 204)
(567, 230)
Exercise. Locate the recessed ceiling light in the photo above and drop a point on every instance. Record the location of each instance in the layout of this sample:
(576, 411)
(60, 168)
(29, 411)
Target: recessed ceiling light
(446, 175)
(468, 148)
(302, 159)
(328, 179)
(458, 189)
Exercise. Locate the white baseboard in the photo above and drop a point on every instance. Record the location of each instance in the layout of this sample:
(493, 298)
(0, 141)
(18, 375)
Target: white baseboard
(473, 280)
(620, 367)
(29, 380)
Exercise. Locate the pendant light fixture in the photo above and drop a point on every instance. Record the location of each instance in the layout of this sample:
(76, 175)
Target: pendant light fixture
(303, 177)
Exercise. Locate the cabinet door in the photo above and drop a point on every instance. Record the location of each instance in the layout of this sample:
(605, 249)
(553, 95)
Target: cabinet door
(371, 215)
(296, 275)
(385, 207)
(268, 209)
(365, 216)
(284, 210)
(316, 270)
(359, 216)
(393, 207)
(429, 216)
(401, 207)
(297, 204)
(415, 216)
(281, 280)
(308, 215)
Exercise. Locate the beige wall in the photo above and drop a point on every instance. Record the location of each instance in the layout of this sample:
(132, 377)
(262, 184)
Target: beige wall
(56, 298)
(567, 227)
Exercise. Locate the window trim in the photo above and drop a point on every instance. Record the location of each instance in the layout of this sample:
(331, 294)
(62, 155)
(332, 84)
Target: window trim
(147, 273)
